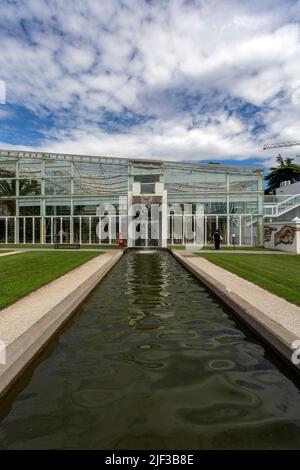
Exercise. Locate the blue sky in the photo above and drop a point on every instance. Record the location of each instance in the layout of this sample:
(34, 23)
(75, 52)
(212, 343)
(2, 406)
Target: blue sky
(198, 80)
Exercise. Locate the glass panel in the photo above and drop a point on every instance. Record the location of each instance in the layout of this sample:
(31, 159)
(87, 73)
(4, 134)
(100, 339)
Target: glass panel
(29, 187)
(57, 186)
(211, 226)
(246, 229)
(57, 209)
(11, 230)
(185, 180)
(29, 210)
(239, 205)
(108, 185)
(97, 169)
(148, 188)
(28, 230)
(61, 229)
(255, 232)
(37, 230)
(7, 169)
(85, 210)
(7, 207)
(30, 168)
(215, 207)
(177, 227)
(8, 187)
(222, 226)
(2, 230)
(20, 225)
(85, 230)
(58, 168)
(234, 230)
(243, 183)
(94, 236)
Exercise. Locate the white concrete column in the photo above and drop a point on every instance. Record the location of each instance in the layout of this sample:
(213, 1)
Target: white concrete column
(130, 241)
(164, 220)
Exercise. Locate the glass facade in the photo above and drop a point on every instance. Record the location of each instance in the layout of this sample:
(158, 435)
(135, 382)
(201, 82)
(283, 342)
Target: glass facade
(46, 198)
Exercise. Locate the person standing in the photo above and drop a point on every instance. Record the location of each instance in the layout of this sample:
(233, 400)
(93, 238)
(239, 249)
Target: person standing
(62, 236)
(217, 239)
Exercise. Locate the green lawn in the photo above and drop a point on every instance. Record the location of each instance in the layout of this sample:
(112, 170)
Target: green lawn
(237, 247)
(223, 247)
(279, 274)
(22, 273)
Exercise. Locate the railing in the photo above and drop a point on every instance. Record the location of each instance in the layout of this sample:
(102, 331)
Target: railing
(283, 206)
(90, 230)
(62, 229)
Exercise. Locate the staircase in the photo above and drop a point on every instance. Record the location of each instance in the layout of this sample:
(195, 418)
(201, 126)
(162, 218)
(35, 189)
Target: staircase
(282, 207)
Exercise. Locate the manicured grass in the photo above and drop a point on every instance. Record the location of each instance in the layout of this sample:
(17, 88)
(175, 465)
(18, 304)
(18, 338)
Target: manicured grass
(276, 273)
(101, 247)
(237, 247)
(25, 272)
(176, 247)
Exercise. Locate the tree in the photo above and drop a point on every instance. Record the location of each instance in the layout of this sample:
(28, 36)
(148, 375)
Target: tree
(286, 170)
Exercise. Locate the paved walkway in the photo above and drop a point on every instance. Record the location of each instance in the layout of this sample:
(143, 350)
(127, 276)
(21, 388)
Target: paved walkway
(97, 250)
(27, 325)
(11, 253)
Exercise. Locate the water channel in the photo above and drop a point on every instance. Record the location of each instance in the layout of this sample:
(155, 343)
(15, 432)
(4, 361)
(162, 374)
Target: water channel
(152, 361)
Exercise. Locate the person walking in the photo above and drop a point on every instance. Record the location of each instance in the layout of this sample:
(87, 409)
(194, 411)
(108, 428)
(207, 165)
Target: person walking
(217, 239)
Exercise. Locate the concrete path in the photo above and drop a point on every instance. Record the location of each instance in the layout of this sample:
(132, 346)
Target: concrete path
(11, 253)
(28, 324)
(272, 317)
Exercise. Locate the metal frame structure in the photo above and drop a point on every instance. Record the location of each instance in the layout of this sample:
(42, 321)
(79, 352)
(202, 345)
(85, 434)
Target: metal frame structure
(46, 189)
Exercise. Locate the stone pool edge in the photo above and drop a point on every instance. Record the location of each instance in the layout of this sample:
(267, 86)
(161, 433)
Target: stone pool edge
(278, 337)
(26, 328)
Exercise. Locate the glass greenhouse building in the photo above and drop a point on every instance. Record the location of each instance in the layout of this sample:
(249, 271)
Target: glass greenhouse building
(48, 198)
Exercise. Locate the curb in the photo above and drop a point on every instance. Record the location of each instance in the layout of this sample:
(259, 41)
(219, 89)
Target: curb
(275, 335)
(25, 348)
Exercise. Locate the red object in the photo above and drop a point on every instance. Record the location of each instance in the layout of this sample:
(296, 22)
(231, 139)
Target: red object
(121, 240)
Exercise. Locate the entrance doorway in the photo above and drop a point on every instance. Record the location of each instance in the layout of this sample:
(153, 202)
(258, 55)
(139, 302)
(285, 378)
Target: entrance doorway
(147, 222)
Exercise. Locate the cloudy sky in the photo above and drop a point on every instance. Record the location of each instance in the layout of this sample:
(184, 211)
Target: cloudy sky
(198, 80)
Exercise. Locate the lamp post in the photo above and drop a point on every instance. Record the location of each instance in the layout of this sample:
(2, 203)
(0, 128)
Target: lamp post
(233, 240)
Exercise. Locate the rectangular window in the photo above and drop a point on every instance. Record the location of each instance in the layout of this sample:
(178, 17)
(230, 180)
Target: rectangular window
(57, 186)
(28, 187)
(7, 169)
(7, 207)
(243, 183)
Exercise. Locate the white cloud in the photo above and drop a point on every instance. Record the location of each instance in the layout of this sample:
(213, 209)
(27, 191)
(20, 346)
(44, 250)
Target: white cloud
(76, 58)
(190, 66)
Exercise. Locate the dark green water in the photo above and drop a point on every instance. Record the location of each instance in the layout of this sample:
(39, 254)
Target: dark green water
(152, 361)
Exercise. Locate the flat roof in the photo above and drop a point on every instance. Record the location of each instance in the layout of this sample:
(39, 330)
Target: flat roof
(91, 158)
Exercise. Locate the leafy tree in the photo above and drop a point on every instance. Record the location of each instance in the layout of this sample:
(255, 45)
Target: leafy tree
(286, 170)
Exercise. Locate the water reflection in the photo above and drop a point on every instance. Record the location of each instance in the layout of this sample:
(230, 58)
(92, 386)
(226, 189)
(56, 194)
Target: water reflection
(152, 361)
